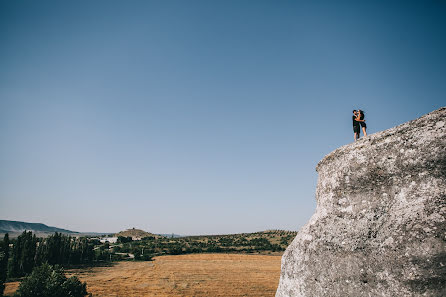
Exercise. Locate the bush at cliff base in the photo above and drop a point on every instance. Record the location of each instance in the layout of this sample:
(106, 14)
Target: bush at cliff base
(49, 281)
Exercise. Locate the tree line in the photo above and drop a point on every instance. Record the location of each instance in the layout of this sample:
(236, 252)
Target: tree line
(4, 256)
(28, 252)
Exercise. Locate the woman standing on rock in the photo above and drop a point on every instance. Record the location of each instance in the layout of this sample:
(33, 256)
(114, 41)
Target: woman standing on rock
(360, 119)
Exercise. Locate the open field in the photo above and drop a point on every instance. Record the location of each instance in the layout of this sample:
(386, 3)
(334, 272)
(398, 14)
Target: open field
(184, 275)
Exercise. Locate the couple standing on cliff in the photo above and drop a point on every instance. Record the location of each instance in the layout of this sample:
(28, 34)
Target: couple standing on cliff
(358, 122)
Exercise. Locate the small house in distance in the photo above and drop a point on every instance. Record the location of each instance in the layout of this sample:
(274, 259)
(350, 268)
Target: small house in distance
(108, 239)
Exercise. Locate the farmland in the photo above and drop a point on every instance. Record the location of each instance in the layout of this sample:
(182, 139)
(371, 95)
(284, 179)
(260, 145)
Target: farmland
(216, 274)
(245, 264)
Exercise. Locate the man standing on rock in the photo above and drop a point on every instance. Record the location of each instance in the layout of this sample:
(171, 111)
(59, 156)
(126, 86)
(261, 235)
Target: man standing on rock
(356, 127)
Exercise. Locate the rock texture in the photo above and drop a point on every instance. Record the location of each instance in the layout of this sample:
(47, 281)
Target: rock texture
(380, 224)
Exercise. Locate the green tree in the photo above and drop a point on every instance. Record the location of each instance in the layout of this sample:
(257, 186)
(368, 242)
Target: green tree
(64, 250)
(49, 281)
(4, 256)
(124, 239)
(23, 254)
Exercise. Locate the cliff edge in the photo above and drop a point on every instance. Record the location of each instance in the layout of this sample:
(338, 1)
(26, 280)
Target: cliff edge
(380, 224)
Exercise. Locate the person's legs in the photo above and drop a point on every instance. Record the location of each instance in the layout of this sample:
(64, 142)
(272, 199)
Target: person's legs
(356, 131)
(363, 131)
(364, 127)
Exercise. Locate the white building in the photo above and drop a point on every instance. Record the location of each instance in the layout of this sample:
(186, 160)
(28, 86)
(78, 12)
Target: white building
(109, 239)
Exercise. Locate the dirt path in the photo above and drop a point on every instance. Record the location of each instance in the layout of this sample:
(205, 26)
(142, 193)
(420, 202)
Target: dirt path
(196, 275)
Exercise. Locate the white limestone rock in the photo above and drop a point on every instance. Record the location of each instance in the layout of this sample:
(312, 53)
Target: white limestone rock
(380, 224)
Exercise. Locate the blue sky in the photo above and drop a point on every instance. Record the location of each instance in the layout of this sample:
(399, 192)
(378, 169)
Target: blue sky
(199, 117)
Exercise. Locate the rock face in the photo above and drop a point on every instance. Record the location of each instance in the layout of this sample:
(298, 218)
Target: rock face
(380, 224)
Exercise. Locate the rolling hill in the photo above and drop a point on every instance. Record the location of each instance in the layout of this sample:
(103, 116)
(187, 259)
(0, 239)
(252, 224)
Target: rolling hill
(136, 233)
(15, 228)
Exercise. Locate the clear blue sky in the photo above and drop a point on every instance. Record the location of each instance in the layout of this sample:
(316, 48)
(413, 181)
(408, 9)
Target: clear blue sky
(199, 117)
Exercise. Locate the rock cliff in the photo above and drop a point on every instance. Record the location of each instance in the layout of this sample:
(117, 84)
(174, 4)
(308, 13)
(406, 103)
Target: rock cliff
(380, 224)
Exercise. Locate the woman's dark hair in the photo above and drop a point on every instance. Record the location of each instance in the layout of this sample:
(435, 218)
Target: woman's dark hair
(361, 114)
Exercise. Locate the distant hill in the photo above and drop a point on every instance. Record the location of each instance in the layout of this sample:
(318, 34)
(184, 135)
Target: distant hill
(14, 228)
(171, 235)
(136, 233)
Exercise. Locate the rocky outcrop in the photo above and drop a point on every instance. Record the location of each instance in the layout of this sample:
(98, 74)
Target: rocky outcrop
(136, 234)
(380, 224)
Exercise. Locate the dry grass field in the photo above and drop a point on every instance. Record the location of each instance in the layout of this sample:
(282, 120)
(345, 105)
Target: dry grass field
(184, 275)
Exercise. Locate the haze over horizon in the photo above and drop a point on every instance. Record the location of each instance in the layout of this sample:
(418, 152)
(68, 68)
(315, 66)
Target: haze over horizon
(199, 117)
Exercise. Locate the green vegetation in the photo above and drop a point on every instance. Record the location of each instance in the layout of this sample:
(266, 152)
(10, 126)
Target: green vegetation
(4, 257)
(50, 281)
(29, 252)
(261, 242)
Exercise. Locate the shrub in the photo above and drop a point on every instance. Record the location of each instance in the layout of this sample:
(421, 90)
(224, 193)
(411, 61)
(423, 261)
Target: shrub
(50, 281)
(124, 239)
